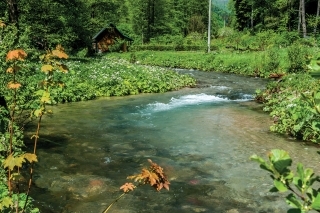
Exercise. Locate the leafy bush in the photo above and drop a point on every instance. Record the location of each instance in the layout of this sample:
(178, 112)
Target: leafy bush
(294, 104)
(299, 58)
(271, 61)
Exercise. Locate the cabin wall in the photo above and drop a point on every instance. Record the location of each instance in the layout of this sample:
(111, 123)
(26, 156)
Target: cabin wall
(109, 38)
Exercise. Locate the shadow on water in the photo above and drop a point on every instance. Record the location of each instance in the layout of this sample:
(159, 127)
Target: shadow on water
(202, 137)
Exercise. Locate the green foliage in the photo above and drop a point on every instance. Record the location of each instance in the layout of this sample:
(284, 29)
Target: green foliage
(7, 202)
(302, 196)
(299, 58)
(113, 77)
(293, 103)
(217, 60)
(271, 62)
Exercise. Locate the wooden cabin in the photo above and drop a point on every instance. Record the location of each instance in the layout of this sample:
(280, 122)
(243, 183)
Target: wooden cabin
(107, 37)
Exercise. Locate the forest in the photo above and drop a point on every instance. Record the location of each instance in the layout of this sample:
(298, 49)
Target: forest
(47, 57)
(73, 23)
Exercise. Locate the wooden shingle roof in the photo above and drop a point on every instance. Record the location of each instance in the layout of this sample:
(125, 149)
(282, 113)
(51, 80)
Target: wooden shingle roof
(107, 29)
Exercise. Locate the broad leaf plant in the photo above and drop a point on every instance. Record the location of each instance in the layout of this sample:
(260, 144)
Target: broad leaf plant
(302, 196)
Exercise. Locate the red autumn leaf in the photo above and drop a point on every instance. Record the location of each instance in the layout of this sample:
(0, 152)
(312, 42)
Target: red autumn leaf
(18, 54)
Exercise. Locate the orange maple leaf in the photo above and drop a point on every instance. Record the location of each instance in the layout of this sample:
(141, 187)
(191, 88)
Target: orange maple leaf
(59, 54)
(17, 54)
(127, 187)
(153, 176)
(12, 85)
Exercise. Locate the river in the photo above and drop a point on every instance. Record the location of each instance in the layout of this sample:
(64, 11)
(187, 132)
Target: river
(202, 137)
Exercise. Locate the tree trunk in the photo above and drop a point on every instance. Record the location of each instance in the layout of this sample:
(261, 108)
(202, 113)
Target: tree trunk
(252, 17)
(317, 16)
(13, 11)
(299, 22)
(303, 18)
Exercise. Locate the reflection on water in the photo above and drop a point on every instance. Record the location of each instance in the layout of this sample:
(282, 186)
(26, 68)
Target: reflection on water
(202, 137)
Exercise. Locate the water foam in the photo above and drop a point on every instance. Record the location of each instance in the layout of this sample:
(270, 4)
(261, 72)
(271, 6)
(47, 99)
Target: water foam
(186, 100)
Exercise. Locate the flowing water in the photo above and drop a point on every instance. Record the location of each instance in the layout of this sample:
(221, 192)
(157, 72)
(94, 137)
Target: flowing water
(202, 137)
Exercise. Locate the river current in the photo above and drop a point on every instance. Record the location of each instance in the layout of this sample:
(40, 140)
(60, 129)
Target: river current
(202, 137)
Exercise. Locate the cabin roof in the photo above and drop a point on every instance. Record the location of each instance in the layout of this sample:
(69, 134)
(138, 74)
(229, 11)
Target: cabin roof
(105, 30)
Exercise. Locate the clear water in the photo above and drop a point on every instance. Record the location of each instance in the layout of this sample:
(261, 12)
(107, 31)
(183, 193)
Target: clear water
(202, 137)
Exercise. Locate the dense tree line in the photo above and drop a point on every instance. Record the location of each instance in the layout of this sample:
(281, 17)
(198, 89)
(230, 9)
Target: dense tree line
(74, 22)
(277, 15)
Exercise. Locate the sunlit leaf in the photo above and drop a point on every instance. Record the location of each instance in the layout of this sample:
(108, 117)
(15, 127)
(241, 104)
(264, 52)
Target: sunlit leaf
(280, 159)
(59, 54)
(7, 202)
(10, 70)
(18, 54)
(280, 186)
(30, 157)
(45, 97)
(293, 201)
(127, 187)
(166, 185)
(12, 85)
(262, 162)
(12, 161)
(316, 203)
(2, 24)
(46, 68)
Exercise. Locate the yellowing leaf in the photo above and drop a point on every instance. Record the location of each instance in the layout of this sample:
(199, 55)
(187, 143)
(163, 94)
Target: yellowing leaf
(63, 68)
(12, 161)
(15, 176)
(2, 24)
(12, 85)
(45, 97)
(39, 92)
(59, 54)
(46, 68)
(18, 54)
(30, 157)
(7, 202)
(10, 70)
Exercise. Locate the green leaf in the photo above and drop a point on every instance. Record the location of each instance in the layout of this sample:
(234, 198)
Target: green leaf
(293, 201)
(316, 95)
(316, 203)
(295, 211)
(280, 186)
(280, 159)
(300, 171)
(263, 164)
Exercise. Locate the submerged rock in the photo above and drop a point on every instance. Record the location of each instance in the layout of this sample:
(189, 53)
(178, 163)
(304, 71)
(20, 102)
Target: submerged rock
(79, 186)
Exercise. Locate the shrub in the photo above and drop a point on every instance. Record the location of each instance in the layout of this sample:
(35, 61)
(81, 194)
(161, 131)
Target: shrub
(299, 57)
